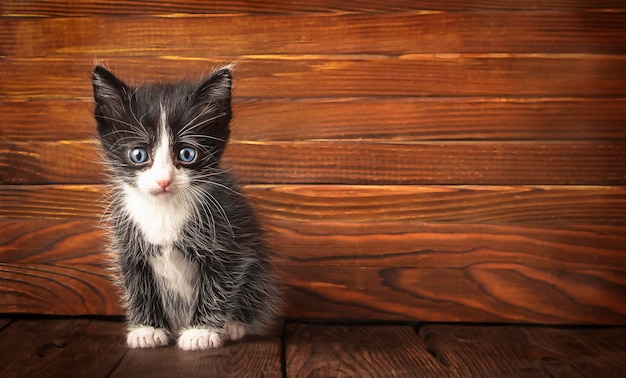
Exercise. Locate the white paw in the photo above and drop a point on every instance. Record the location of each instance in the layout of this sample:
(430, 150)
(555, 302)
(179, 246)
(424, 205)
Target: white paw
(199, 339)
(235, 330)
(146, 337)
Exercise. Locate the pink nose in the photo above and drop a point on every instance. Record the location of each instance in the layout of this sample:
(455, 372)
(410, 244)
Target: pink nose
(164, 183)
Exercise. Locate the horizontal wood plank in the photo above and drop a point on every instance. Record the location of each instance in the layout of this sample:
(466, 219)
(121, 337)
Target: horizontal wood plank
(487, 292)
(547, 205)
(501, 351)
(358, 118)
(58, 289)
(358, 351)
(393, 162)
(412, 33)
(50, 241)
(518, 75)
(320, 244)
(61, 347)
(480, 293)
(26, 8)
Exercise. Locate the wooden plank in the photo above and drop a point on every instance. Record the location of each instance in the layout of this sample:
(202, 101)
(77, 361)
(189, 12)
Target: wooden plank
(346, 33)
(323, 244)
(25, 8)
(483, 292)
(49, 241)
(251, 357)
(462, 204)
(363, 244)
(407, 119)
(356, 244)
(506, 351)
(358, 351)
(58, 289)
(62, 347)
(430, 119)
(350, 162)
(549, 205)
(47, 120)
(53, 202)
(519, 75)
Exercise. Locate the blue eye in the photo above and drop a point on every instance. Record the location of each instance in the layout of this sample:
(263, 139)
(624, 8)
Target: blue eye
(138, 155)
(187, 155)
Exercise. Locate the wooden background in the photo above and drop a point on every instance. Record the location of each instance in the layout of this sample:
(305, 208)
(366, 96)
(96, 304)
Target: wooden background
(411, 160)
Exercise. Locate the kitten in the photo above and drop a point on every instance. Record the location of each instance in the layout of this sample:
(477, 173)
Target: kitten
(190, 254)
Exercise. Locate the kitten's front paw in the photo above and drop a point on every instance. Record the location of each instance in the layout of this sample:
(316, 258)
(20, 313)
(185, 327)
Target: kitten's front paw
(146, 337)
(199, 339)
(235, 330)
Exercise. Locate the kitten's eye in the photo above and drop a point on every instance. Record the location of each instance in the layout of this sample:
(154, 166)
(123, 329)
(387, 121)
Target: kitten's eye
(138, 155)
(187, 155)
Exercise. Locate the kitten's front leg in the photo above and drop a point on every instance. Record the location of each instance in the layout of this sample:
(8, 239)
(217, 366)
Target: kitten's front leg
(145, 313)
(207, 328)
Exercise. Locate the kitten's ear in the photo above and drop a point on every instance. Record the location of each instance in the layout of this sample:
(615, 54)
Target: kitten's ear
(108, 90)
(215, 89)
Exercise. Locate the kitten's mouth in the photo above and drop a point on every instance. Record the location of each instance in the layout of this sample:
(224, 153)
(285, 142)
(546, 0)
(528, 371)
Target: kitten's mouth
(161, 192)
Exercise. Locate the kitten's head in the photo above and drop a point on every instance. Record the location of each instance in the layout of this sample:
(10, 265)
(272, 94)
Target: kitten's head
(161, 138)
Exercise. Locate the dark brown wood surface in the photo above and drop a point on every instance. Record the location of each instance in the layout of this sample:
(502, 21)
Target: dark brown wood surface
(94, 347)
(64, 347)
(526, 351)
(358, 351)
(453, 351)
(410, 160)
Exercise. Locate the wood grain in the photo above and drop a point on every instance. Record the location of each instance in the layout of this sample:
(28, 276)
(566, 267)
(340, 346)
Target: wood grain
(61, 347)
(57, 289)
(501, 351)
(487, 292)
(357, 351)
(407, 119)
(301, 76)
(363, 244)
(49, 241)
(250, 357)
(412, 33)
(322, 244)
(543, 205)
(433, 163)
(18, 8)
(436, 273)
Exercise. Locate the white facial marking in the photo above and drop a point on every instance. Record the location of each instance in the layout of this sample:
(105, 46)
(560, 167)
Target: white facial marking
(155, 202)
(162, 177)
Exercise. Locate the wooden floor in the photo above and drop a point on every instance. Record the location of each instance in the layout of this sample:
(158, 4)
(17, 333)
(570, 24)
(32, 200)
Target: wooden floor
(79, 347)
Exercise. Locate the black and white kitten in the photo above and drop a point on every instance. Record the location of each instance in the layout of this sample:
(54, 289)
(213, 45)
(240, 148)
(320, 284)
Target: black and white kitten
(190, 254)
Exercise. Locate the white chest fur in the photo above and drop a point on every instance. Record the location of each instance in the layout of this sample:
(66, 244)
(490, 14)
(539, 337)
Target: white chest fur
(160, 219)
(176, 273)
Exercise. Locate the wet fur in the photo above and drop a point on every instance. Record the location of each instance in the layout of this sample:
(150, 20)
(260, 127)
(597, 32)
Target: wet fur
(193, 263)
